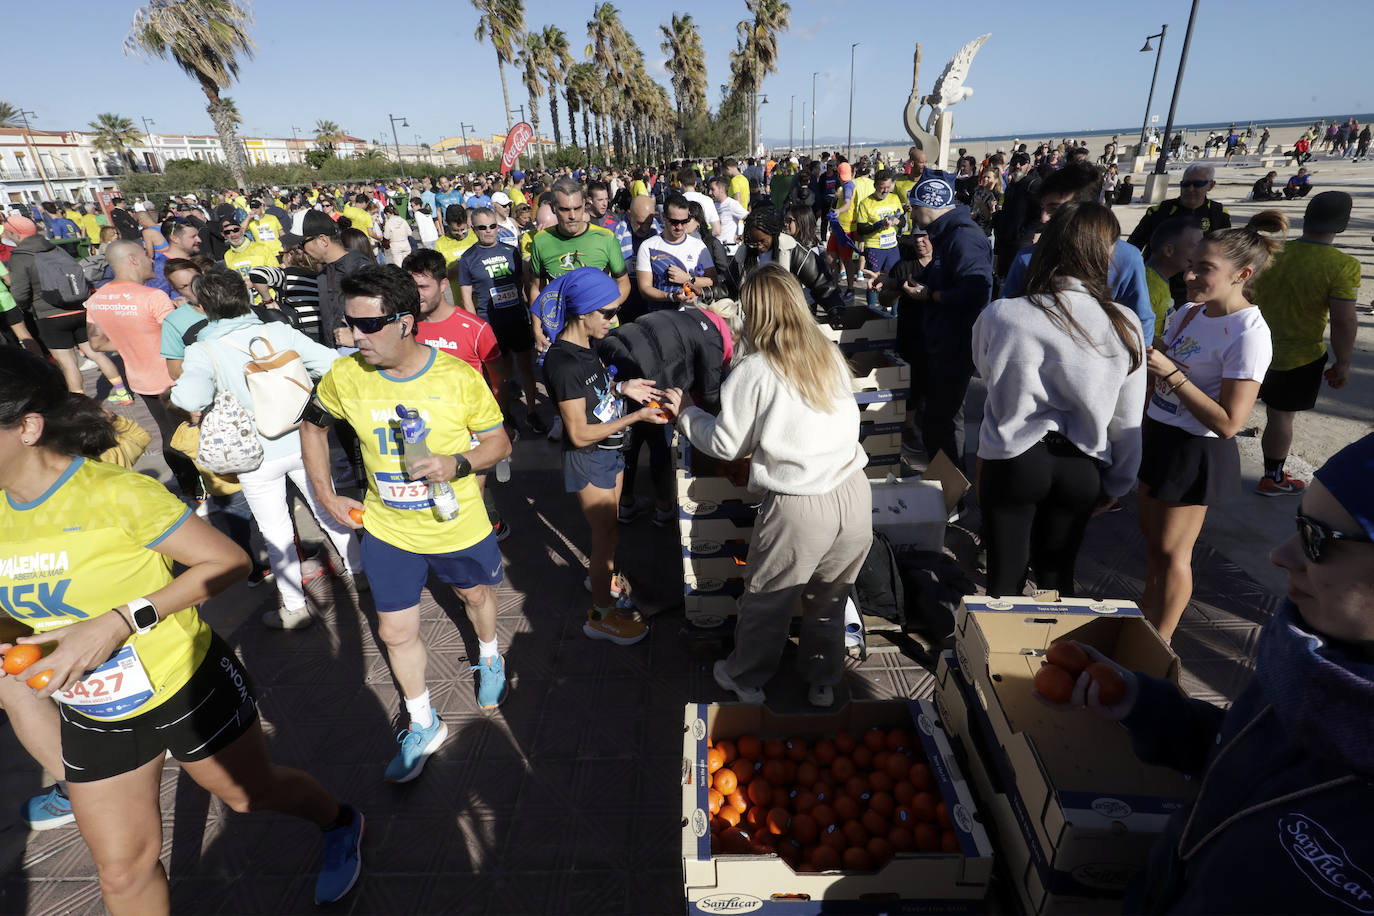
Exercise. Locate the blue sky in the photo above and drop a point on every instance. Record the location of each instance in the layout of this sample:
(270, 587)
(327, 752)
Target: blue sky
(1049, 66)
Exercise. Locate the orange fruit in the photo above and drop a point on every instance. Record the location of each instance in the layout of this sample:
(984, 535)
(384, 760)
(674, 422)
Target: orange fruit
(855, 833)
(856, 858)
(921, 777)
(856, 787)
(825, 751)
(904, 816)
(882, 803)
(927, 837)
(923, 807)
(897, 767)
(824, 816)
(789, 771)
(805, 802)
(824, 794)
(897, 739)
(845, 743)
(1069, 657)
(759, 791)
(736, 799)
(880, 760)
(778, 819)
(743, 768)
(874, 823)
(942, 816)
(804, 828)
(20, 657)
(727, 747)
(796, 749)
(716, 800)
(1111, 688)
(757, 817)
(730, 815)
(863, 758)
(1054, 683)
(843, 768)
(356, 514)
(902, 839)
(719, 823)
(879, 781)
(714, 760)
(780, 799)
(808, 773)
(846, 808)
(774, 772)
(716, 848)
(749, 747)
(880, 848)
(40, 680)
(774, 749)
(734, 841)
(833, 837)
(824, 858)
(725, 781)
(903, 792)
(875, 739)
(949, 841)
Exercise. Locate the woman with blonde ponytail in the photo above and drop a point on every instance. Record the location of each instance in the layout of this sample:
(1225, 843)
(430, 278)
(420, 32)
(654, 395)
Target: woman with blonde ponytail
(788, 407)
(1204, 381)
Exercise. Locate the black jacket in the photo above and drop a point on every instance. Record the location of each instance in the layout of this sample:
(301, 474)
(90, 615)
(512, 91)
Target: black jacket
(962, 275)
(1017, 219)
(800, 261)
(677, 349)
(25, 285)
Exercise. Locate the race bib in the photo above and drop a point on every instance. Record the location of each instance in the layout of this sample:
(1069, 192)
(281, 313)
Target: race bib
(115, 689)
(398, 492)
(608, 408)
(504, 296)
(887, 238)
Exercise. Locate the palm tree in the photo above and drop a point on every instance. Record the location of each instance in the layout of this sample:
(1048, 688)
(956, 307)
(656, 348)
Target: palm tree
(557, 62)
(582, 90)
(205, 38)
(328, 133)
(687, 64)
(531, 66)
(610, 43)
(759, 41)
(9, 115)
(115, 134)
(504, 22)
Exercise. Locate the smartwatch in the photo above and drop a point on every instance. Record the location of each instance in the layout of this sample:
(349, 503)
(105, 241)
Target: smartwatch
(144, 615)
(464, 467)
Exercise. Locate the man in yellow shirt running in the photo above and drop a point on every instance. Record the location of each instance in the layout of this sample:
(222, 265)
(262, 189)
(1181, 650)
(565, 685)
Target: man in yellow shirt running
(739, 185)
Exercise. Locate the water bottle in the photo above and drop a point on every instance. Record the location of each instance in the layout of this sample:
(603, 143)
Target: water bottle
(414, 431)
(503, 470)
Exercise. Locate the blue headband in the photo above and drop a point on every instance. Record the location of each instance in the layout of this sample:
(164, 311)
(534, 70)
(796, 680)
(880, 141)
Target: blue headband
(1349, 475)
(576, 292)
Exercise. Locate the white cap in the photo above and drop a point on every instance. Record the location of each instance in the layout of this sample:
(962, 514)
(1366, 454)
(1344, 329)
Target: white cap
(191, 197)
(502, 198)
(141, 206)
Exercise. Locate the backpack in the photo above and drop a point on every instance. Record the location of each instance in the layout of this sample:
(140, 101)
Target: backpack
(228, 442)
(878, 590)
(279, 385)
(61, 278)
(934, 584)
(93, 266)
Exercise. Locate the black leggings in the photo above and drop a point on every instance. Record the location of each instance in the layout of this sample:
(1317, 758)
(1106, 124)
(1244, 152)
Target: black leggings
(1035, 508)
(660, 460)
(183, 468)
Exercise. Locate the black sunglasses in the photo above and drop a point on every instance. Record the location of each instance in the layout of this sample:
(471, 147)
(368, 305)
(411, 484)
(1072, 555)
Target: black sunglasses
(1194, 184)
(483, 228)
(609, 314)
(370, 325)
(680, 222)
(1315, 535)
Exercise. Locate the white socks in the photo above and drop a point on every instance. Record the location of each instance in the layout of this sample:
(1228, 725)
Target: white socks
(487, 649)
(421, 713)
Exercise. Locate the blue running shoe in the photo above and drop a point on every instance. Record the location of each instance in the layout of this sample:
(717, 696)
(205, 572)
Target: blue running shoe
(491, 681)
(416, 746)
(342, 859)
(50, 810)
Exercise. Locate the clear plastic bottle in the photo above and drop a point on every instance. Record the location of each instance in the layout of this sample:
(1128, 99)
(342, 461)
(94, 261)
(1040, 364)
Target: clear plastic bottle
(414, 431)
(503, 470)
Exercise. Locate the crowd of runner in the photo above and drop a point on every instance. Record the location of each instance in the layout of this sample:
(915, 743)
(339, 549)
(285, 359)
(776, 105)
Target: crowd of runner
(642, 299)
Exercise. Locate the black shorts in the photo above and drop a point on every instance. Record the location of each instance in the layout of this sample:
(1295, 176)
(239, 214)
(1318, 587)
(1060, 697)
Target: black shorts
(1293, 389)
(514, 333)
(1180, 467)
(210, 712)
(63, 332)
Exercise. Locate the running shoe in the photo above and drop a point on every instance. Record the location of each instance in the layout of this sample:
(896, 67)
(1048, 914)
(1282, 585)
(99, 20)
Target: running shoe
(536, 424)
(491, 681)
(342, 859)
(416, 746)
(501, 530)
(1289, 486)
(260, 575)
(283, 619)
(752, 695)
(619, 587)
(50, 810)
(119, 397)
(617, 626)
(628, 512)
(822, 695)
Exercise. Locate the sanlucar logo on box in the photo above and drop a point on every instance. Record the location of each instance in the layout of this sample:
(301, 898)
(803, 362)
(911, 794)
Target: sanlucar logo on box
(729, 903)
(1114, 808)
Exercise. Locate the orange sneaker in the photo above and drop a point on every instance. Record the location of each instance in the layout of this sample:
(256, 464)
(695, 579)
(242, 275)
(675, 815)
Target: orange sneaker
(1289, 486)
(616, 626)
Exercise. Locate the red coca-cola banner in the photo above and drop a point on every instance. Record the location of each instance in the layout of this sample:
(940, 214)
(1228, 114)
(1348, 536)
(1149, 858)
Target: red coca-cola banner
(519, 137)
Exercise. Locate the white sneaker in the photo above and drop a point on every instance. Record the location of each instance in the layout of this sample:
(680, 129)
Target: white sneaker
(288, 619)
(752, 695)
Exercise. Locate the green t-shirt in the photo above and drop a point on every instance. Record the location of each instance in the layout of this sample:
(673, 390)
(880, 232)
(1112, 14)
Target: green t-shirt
(6, 298)
(551, 255)
(1160, 298)
(174, 328)
(1294, 296)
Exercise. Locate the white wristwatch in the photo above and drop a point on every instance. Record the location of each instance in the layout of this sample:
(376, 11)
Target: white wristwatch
(144, 615)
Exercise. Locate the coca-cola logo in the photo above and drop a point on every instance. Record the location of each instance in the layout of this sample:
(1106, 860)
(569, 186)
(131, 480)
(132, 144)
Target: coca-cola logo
(520, 136)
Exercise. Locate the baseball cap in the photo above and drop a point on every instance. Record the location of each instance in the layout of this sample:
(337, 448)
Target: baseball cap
(290, 240)
(1346, 475)
(316, 223)
(1328, 211)
(935, 190)
(518, 175)
(21, 227)
(255, 202)
(502, 198)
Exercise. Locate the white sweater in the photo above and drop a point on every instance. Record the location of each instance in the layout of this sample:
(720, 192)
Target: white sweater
(1040, 379)
(796, 449)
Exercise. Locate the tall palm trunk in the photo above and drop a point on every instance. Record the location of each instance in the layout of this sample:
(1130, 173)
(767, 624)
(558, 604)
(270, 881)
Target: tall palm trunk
(601, 140)
(505, 93)
(228, 140)
(572, 121)
(587, 133)
(553, 114)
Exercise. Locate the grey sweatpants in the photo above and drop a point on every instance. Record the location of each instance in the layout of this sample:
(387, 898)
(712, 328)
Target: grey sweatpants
(806, 550)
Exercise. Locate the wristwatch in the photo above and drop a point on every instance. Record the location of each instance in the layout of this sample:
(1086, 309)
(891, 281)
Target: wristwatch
(144, 615)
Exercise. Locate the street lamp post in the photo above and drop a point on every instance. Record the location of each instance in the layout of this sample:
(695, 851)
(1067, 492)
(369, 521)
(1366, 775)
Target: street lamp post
(1158, 182)
(803, 126)
(396, 140)
(813, 111)
(849, 144)
(792, 120)
(464, 128)
(147, 132)
(24, 115)
(1150, 99)
(761, 98)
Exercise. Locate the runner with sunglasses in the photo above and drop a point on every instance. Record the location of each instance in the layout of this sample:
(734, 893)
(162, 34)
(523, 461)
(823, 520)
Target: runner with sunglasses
(1193, 204)
(1286, 785)
(574, 311)
(402, 538)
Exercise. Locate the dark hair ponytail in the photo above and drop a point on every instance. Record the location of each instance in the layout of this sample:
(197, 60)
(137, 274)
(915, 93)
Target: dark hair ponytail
(73, 424)
(1250, 246)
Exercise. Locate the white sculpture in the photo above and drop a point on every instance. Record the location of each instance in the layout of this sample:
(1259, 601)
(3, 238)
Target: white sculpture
(949, 88)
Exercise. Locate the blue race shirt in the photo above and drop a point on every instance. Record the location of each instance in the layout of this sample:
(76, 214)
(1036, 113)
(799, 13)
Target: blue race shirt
(1125, 279)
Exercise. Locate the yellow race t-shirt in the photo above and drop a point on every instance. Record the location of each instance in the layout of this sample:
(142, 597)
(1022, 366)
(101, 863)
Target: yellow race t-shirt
(1161, 298)
(252, 254)
(871, 210)
(358, 218)
(452, 249)
(85, 547)
(739, 189)
(455, 403)
(267, 230)
(1293, 295)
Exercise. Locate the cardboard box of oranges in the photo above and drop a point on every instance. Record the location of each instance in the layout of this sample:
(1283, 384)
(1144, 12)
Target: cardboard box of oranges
(862, 329)
(864, 808)
(1071, 802)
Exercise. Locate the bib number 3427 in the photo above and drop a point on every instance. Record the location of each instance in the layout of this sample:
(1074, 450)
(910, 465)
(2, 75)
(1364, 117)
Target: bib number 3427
(115, 689)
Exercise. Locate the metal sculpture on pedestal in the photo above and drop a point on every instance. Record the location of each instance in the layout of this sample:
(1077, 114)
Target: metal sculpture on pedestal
(949, 90)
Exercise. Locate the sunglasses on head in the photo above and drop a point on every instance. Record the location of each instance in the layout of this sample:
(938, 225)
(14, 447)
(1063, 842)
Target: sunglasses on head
(370, 324)
(1315, 536)
(483, 228)
(1194, 184)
